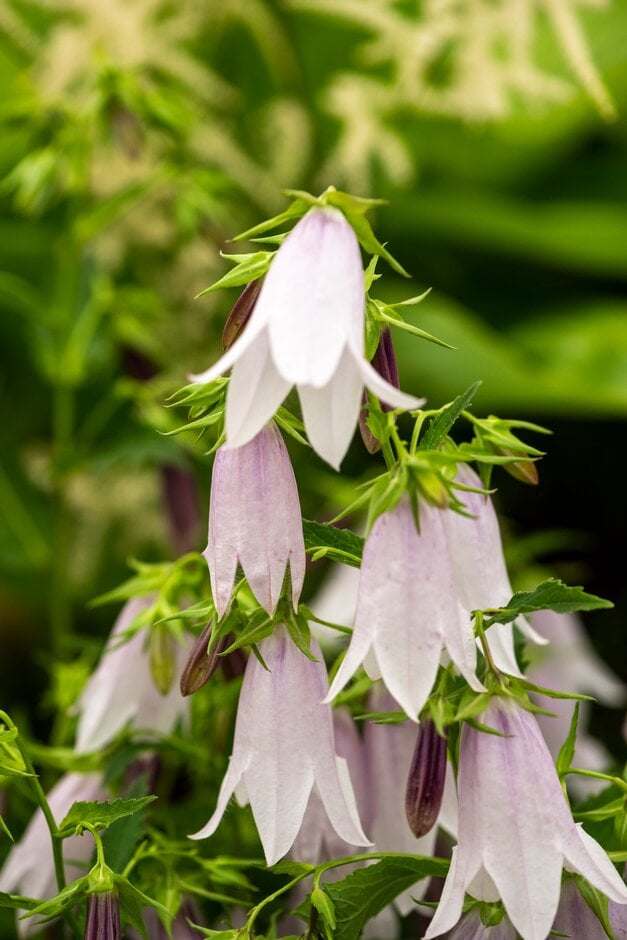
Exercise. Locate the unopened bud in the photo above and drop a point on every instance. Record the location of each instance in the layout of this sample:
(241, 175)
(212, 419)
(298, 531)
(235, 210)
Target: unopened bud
(384, 362)
(525, 471)
(240, 313)
(433, 489)
(201, 664)
(103, 917)
(234, 665)
(162, 657)
(425, 784)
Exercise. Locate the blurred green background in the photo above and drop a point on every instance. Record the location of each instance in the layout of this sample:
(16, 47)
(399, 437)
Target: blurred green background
(138, 136)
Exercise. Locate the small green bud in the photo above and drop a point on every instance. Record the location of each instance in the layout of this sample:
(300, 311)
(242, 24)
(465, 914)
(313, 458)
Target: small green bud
(162, 657)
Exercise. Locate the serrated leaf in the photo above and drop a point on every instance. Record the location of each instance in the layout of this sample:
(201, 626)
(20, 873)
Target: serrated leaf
(552, 594)
(442, 423)
(367, 891)
(341, 544)
(101, 815)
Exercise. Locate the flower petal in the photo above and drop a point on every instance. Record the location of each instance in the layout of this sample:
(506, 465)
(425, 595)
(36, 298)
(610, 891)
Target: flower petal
(387, 393)
(330, 413)
(255, 392)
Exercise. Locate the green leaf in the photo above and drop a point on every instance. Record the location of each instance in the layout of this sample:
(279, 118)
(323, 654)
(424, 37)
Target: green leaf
(298, 208)
(4, 828)
(567, 750)
(368, 890)
(247, 268)
(293, 869)
(132, 903)
(340, 544)
(552, 594)
(369, 242)
(444, 421)
(606, 811)
(324, 905)
(101, 815)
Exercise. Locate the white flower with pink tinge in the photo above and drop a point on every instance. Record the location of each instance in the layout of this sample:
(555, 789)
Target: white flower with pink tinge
(407, 610)
(307, 330)
(516, 831)
(121, 690)
(255, 521)
(283, 748)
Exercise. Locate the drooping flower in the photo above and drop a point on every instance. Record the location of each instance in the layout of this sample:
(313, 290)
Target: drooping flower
(255, 521)
(570, 664)
(479, 570)
(122, 691)
(306, 329)
(283, 747)
(516, 832)
(29, 866)
(407, 609)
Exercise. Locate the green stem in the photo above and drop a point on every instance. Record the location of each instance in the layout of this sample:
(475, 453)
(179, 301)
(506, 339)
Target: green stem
(478, 615)
(42, 801)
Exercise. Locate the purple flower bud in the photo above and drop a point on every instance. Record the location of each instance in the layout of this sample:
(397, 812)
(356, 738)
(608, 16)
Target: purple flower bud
(201, 664)
(384, 362)
(103, 917)
(425, 783)
(240, 313)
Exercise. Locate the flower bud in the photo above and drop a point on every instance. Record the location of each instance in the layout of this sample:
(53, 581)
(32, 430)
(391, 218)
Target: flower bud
(162, 654)
(103, 917)
(201, 664)
(425, 783)
(384, 362)
(525, 471)
(240, 313)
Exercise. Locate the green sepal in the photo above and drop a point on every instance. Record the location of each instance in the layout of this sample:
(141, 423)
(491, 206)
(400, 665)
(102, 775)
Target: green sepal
(248, 267)
(441, 424)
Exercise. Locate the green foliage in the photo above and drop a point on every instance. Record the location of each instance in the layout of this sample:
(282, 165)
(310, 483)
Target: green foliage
(98, 815)
(552, 594)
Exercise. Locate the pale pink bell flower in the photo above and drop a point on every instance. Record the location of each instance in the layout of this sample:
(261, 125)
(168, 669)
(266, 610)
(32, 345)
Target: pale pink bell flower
(283, 748)
(255, 521)
(29, 866)
(407, 609)
(121, 691)
(516, 831)
(307, 330)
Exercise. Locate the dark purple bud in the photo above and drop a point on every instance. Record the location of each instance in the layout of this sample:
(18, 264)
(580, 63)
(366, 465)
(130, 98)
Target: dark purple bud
(384, 361)
(425, 784)
(240, 313)
(234, 664)
(182, 506)
(201, 665)
(137, 365)
(103, 917)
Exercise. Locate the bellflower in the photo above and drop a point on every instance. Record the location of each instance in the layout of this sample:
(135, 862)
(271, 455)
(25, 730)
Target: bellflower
(407, 609)
(479, 570)
(516, 832)
(283, 747)
(29, 866)
(570, 664)
(306, 329)
(121, 691)
(255, 521)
